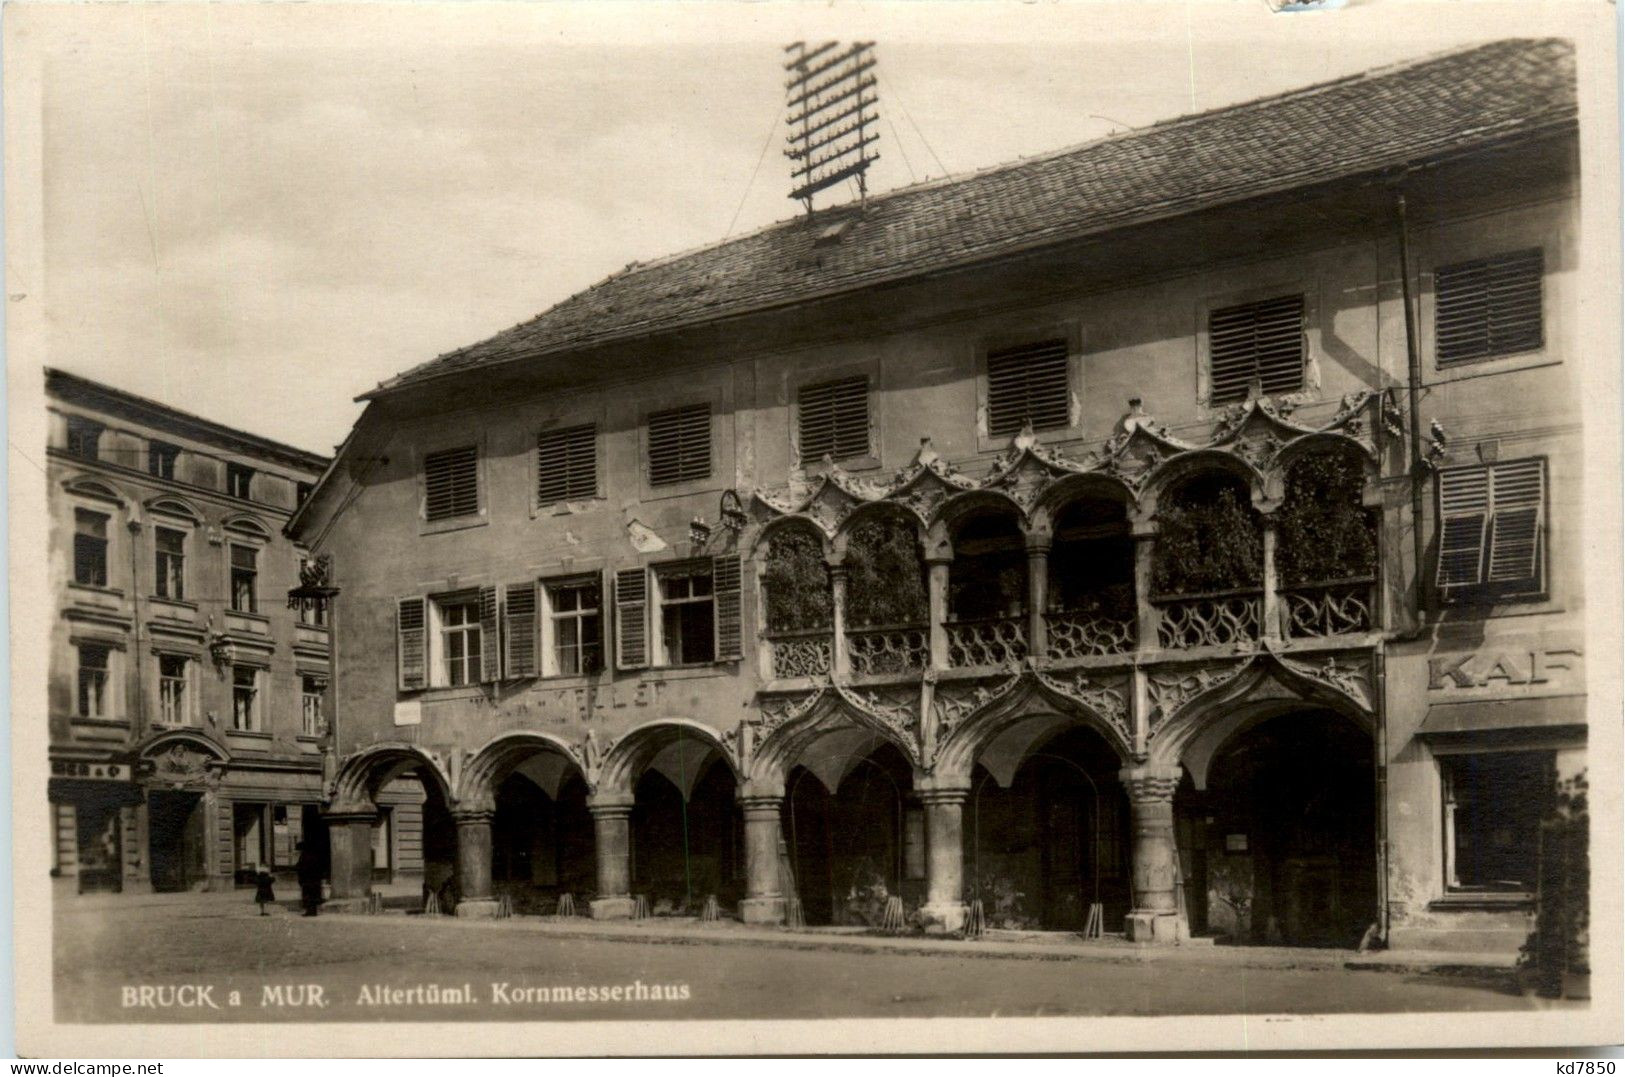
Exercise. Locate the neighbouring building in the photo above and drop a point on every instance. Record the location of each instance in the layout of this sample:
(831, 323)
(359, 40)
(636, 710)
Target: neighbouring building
(1171, 534)
(185, 699)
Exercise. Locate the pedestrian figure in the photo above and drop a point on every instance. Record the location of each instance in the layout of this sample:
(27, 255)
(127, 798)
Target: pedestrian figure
(310, 880)
(262, 888)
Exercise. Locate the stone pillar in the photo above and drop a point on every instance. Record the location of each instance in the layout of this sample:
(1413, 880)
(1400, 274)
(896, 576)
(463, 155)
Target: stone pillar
(764, 889)
(1038, 544)
(937, 592)
(944, 910)
(349, 837)
(1154, 915)
(840, 663)
(1271, 625)
(1149, 618)
(612, 833)
(474, 897)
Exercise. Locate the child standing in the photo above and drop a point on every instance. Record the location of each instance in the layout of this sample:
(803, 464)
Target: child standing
(262, 889)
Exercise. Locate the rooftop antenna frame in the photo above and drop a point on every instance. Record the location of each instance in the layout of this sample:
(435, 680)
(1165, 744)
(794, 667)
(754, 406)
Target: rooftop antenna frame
(831, 98)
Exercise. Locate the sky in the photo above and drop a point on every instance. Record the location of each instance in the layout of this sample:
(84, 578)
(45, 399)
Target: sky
(258, 212)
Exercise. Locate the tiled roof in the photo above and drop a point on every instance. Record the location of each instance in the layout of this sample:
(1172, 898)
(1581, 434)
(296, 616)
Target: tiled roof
(1354, 125)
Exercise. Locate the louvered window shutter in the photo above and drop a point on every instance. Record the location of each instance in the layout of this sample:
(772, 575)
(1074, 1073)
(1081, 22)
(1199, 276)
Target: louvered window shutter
(1260, 342)
(680, 444)
(1488, 307)
(1517, 493)
(566, 464)
(1464, 513)
(411, 644)
(490, 634)
(1027, 383)
(725, 586)
(834, 419)
(451, 483)
(631, 618)
(519, 630)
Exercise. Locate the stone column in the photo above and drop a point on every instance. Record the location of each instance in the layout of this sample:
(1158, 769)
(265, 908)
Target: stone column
(474, 897)
(840, 662)
(1154, 915)
(937, 591)
(764, 890)
(349, 837)
(612, 832)
(1149, 619)
(944, 910)
(1038, 544)
(1271, 625)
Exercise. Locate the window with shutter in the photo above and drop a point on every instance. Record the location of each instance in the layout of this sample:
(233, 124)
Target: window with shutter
(1262, 342)
(1488, 307)
(834, 419)
(411, 644)
(519, 630)
(451, 483)
(680, 444)
(490, 635)
(1027, 383)
(1491, 529)
(631, 618)
(566, 464)
(725, 584)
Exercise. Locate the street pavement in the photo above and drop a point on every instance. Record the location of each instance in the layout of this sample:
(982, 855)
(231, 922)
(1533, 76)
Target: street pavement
(126, 959)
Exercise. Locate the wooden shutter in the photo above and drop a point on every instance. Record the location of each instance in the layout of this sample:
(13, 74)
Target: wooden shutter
(1464, 513)
(725, 587)
(680, 444)
(566, 464)
(411, 644)
(631, 618)
(519, 636)
(490, 634)
(451, 483)
(1027, 383)
(1260, 341)
(1487, 307)
(1517, 496)
(834, 419)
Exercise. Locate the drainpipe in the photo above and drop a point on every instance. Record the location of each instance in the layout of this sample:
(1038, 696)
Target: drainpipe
(1380, 758)
(1413, 393)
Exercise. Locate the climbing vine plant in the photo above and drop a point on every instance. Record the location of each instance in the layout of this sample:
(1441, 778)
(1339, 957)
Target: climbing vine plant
(1324, 533)
(1208, 539)
(885, 578)
(796, 583)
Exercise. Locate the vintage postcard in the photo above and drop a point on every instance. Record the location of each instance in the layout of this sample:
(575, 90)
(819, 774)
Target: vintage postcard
(739, 528)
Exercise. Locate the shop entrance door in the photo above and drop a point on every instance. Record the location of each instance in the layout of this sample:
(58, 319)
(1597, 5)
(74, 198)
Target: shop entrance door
(175, 838)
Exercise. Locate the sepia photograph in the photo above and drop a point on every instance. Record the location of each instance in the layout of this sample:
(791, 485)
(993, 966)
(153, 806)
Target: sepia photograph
(552, 528)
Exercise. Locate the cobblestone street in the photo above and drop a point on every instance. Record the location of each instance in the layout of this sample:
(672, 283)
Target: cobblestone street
(370, 968)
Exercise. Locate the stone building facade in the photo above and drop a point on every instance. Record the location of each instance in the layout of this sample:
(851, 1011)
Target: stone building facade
(186, 700)
(1171, 534)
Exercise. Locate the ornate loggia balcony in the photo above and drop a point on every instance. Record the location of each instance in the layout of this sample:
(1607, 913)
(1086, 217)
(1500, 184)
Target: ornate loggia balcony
(1082, 635)
(992, 641)
(1214, 619)
(802, 654)
(889, 649)
(1339, 607)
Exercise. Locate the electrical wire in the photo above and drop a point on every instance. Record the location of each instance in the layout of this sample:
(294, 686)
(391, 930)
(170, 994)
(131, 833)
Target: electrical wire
(771, 131)
(891, 91)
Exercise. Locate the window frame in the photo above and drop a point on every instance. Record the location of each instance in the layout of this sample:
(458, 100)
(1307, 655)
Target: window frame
(1304, 280)
(551, 616)
(538, 505)
(306, 695)
(1484, 590)
(1449, 800)
(798, 417)
(102, 675)
(162, 458)
(78, 427)
(660, 653)
(446, 443)
(439, 670)
(164, 575)
(234, 472)
(186, 713)
(256, 701)
(1015, 335)
(232, 570)
(1446, 365)
(105, 552)
(681, 482)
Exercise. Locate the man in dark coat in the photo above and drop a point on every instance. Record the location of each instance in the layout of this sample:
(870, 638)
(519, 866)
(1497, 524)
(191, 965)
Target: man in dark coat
(310, 879)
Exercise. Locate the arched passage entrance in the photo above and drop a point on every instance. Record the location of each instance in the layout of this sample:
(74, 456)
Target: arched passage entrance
(1282, 841)
(533, 793)
(1047, 835)
(854, 841)
(390, 825)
